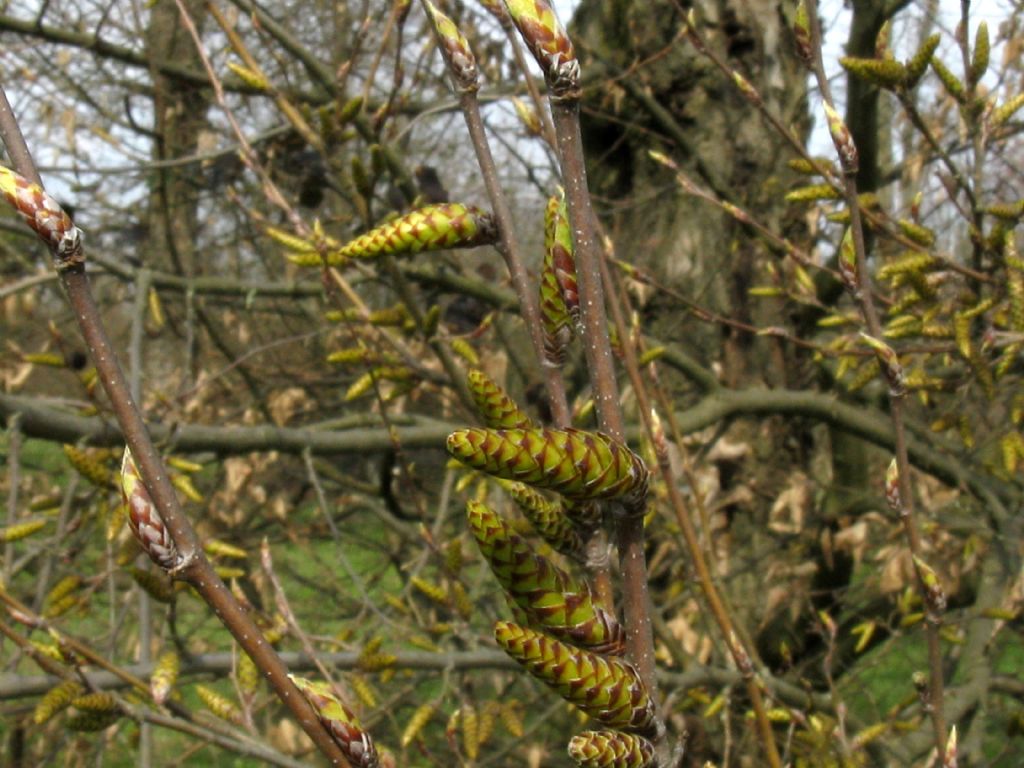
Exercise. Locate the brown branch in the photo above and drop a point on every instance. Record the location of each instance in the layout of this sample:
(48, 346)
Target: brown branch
(512, 252)
(193, 565)
(846, 150)
(101, 47)
(629, 529)
(13, 686)
(42, 420)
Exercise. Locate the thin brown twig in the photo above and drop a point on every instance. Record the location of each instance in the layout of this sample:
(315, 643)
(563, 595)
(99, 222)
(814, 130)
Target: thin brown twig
(863, 295)
(193, 566)
(655, 432)
(629, 529)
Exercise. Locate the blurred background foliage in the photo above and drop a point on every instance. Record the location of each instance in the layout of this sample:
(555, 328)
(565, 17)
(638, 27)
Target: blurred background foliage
(311, 417)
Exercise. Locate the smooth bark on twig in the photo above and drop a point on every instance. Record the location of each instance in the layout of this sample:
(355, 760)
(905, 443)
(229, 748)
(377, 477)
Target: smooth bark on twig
(629, 528)
(195, 568)
(512, 253)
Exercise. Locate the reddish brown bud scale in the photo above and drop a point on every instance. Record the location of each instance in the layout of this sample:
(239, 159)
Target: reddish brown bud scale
(455, 49)
(892, 488)
(611, 749)
(580, 465)
(842, 139)
(552, 599)
(802, 33)
(558, 248)
(339, 721)
(557, 328)
(934, 594)
(848, 264)
(497, 9)
(890, 364)
(559, 292)
(44, 215)
(549, 44)
(143, 517)
(608, 690)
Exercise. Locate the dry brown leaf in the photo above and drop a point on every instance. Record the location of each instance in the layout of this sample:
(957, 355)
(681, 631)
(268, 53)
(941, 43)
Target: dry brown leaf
(789, 512)
(725, 450)
(237, 471)
(683, 628)
(285, 403)
(897, 569)
(853, 539)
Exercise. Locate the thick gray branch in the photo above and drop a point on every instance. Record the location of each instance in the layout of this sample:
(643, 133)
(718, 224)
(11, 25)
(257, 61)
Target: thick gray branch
(46, 421)
(19, 686)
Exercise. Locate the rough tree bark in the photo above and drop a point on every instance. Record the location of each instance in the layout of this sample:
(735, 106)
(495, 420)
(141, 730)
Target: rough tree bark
(179, 117)
(708, 128)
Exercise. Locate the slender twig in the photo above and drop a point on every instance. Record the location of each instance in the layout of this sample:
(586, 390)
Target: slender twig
(246, 749)
(25, 283)
(863, 295)
(596, 343)
(547, 127)
(511, 251)
(554, 52)
(193, 566)
(321, 498)
(143, 285)
(462, 68)
(638, 592)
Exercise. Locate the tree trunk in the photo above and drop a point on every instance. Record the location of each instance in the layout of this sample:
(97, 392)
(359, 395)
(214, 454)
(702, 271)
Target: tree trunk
(710, 130)
(179, 117)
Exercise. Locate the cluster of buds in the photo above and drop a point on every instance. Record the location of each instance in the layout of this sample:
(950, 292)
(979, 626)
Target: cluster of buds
(431, 228)
(561, 635)
(551, 599)
(45, 216)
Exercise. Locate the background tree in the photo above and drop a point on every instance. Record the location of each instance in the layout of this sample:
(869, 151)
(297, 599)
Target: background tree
(220, 155)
